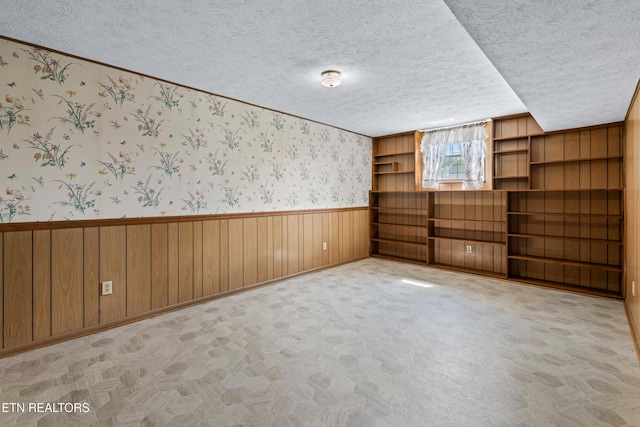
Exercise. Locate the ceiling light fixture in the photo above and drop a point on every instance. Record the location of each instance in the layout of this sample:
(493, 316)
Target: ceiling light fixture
(331, 78)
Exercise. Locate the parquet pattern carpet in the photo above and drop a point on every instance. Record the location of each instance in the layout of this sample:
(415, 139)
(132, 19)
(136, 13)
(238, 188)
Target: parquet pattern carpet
(371, 343)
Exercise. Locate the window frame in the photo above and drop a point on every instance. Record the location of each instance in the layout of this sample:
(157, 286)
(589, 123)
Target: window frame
(450, 179)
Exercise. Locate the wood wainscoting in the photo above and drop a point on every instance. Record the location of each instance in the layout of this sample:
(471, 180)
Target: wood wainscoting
(632, 211)
(50, 273)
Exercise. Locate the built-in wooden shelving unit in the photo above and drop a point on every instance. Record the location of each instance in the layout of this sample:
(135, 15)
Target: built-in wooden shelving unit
(567, 237)
(436, 228)
(394, 163)
(554, 217)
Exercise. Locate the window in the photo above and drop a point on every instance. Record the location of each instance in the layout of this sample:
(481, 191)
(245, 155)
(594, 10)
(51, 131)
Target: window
(454, 154)
(452, 168)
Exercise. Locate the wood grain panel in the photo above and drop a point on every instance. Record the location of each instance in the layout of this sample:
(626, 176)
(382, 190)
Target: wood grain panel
(614, 175)
(211, 256)
(334, 237)
(250, 251)
(236, 251)
(572, 151)
(285, 245)
(364, 233)
(263, 250)
(537, 149)
(270, 248)
(571, 146)
(585, 167)
(91, 276)
(113, 266)
(278, 252)
(185, 261)
(326, 232)
(317, 240)
(599, 143)
(41, 284)
(554, 176)
(224, 255)
(508, 128)
(346, 235)
(197, 260)
(159, 266)
(554, 147)
(18, 289)
(67, 265)
(599, 174)
(138, 269)
(292, 244)
(308, 244)
(301, 243)
(173, 263)
(614, 141)
(458, 254)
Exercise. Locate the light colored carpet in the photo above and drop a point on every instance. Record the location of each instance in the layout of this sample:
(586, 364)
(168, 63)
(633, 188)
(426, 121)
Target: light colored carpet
(372, 343)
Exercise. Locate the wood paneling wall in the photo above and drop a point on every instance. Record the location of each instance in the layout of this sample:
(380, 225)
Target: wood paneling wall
(50, 278)
(632, 191)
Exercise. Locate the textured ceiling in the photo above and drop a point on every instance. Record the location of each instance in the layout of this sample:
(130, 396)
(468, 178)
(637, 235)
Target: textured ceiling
(407, 64)
(573, 63)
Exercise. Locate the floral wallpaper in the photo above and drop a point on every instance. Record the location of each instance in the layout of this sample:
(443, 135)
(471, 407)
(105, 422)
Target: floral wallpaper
(80, 140)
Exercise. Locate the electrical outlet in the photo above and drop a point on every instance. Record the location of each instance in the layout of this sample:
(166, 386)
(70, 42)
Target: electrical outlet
(107, 288)
(469, 249)
(633, 289)
(324, 246)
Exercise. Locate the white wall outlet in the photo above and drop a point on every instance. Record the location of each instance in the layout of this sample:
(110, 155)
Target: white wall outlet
(469, 249)
(324, 246)
(107, 288)
(633, 289)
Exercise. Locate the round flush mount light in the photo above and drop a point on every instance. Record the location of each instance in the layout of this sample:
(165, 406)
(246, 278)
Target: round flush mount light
(331, 78)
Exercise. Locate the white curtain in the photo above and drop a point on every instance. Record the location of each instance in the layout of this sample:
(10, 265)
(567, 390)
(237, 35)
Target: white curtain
(434, 148)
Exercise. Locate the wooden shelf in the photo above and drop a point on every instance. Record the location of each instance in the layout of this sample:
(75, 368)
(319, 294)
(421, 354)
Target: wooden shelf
(477, 221)
(562, 190)
(399, 153)
(394, 166)
(566, 262)
(398, 225)
(519, 150)
(459, 239)
(392, 172)
(400, 259)
(401, 242)
(410, 210)
(512, 177)
(390, 192)
(570, 288)
(467, 270)
(550, 162)
(566, 238)
(511, 138)
(566, 214)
